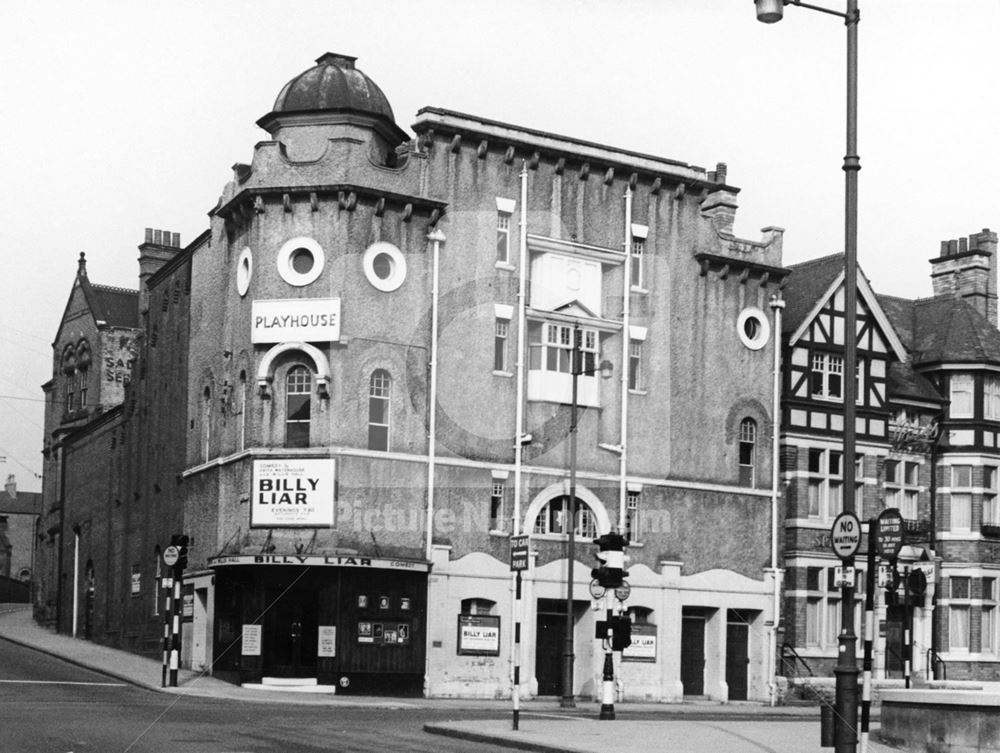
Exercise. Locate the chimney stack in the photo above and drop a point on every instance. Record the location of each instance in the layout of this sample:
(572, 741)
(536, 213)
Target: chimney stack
(967, 268)
(158, 247)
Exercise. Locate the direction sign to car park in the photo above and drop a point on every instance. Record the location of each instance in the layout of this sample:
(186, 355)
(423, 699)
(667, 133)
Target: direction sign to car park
(846, 535)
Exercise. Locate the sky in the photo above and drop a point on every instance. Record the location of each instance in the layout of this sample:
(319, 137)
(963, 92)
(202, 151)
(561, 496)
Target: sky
(122, 115)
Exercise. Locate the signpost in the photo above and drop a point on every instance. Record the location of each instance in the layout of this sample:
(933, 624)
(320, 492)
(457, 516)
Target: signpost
(518, 564)
(170, 556)
(518, 553)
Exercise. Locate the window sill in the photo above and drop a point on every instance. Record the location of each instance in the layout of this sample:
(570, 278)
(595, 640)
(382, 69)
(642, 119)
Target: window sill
(638, 392)
(505, 266)
(499, 533)
(506, 374)
(638, 290)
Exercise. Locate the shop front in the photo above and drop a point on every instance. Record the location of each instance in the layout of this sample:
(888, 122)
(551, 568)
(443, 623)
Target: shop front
(357, 623)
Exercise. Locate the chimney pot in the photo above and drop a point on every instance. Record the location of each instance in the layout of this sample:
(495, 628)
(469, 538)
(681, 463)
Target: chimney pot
(158, 237)
(721, 169)
(149, 235)
(952, 247)
(963, 245)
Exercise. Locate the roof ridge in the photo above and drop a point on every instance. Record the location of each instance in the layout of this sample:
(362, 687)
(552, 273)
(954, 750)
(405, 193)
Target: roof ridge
(113, 288)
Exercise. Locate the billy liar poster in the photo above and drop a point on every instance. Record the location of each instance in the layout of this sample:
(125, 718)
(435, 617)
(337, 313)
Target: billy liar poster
(292, 493)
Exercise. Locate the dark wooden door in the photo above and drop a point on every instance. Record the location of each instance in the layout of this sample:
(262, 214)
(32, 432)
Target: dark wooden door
(693, 654)
(737, 659)
(291, 635)
(894, 642)
(549, 647)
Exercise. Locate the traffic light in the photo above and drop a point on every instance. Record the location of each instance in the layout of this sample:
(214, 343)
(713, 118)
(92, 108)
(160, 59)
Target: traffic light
(181, 542)
(611, 554)
(621, 636)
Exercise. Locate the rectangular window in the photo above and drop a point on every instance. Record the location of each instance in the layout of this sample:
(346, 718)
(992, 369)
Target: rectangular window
(813, 621)
(638, 252)
(961, 396)
(826, 483)
(959, 587)
(961, 476)
(503, 237)
(634, 364)
(902, 481)
(632, 517)
(496, 506)
(991, 515)
(500, 333)
(991, 398)
(989, 628)
(555, 352)
(961, 512)
(827, 376)
(958, 627)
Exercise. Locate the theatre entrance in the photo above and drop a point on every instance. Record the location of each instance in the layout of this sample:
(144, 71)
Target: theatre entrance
(290, 633)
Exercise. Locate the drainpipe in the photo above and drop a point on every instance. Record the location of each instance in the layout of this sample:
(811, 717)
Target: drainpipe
(522, 274)
(437, 238)
(76, 578)
(626, 319)
(776, 306)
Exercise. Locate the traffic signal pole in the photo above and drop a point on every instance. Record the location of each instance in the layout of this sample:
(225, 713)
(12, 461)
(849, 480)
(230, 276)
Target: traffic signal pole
(608, 679)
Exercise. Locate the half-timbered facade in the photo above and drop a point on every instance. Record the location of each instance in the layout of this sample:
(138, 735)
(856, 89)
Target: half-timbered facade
(926, 444)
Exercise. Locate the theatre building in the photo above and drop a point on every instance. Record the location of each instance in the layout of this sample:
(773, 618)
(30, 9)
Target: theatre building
(389, 352)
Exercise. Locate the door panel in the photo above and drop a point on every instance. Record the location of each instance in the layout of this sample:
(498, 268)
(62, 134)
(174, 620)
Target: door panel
(549, 647)
(693, 655)
(737, 659)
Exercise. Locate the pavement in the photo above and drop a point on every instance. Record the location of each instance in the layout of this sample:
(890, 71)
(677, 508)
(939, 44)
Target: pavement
(693, 727)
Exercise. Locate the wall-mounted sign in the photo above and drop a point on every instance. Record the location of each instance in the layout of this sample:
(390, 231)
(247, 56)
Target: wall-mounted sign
(322, 560)
(292, 493)
(136, 580)
(296, 319)
(327, 641)
(187, 602)
(251, 640)
(478, 635)
(643, 646)
(366, 633)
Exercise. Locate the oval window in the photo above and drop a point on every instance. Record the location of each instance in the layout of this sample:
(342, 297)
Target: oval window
(385, 266)
(244, 271)
(300, 261)
(753, 328)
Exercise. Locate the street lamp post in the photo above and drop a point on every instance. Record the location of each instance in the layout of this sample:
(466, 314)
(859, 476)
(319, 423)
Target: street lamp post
(577, 368)
(771, 11)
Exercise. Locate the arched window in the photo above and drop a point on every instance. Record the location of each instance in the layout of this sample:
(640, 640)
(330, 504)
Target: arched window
(206, 423)
(378, 410)
(478, 606)
(553, 516)
(298, 406)
(748, 451)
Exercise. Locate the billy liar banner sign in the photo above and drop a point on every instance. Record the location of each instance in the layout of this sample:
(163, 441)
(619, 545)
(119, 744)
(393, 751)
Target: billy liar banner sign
(292, 493)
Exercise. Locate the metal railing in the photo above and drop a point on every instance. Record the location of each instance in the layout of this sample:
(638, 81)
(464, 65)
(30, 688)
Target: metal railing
(790, 660)
(934, 661)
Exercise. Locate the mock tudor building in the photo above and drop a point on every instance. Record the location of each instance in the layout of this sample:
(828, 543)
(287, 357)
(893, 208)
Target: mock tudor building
(928, 417)
(359, 382)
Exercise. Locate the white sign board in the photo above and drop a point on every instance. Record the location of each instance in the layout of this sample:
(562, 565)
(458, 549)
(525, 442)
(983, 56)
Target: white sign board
(251, 640)
(295, 319)
(643, 647)
(292, 493)
(327, 641)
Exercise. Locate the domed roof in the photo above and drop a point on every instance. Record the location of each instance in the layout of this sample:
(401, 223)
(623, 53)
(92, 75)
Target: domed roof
(333, 84)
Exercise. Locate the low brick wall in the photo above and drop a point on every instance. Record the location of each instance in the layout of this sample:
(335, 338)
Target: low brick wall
(943, 721)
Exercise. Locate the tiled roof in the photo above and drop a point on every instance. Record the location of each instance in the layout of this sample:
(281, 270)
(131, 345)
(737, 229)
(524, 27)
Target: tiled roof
(806, 283)
(900, 314)
(116, 307)
(950, 329)
(905, 383)
(25, 503)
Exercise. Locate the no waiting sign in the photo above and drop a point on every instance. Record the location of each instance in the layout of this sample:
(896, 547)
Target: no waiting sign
(846, 535)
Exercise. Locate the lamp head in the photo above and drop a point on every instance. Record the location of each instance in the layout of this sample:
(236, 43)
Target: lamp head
(607, 369)
(769, 11)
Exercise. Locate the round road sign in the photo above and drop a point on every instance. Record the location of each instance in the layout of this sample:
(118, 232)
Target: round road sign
(846, 535)
(170, 556)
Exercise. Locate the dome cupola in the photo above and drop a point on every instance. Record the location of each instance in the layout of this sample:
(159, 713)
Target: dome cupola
(334, 90)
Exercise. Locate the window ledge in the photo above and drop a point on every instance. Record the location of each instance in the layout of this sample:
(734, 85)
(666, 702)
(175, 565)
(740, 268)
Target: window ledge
(505, 266)
(498, 532)
(640, 291)
(506, 374)
(635, 544)
(638, 392)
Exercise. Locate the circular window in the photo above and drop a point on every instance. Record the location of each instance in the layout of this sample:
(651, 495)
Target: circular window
(753, 328)
(300, 261)
(385, 266)
(244, 271)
